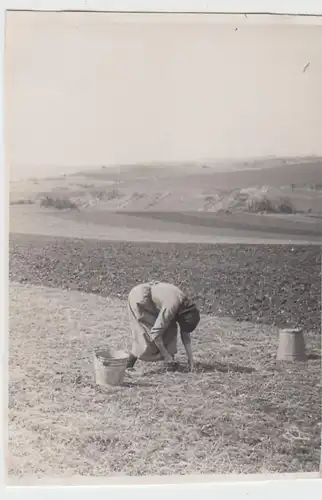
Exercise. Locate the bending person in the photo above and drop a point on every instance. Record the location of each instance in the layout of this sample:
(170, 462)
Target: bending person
(155, 310)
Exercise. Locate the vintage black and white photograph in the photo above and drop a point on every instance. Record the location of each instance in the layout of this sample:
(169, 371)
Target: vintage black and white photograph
(165, 244)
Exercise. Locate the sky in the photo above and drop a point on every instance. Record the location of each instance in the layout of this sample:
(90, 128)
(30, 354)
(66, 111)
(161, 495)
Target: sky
(91, 89)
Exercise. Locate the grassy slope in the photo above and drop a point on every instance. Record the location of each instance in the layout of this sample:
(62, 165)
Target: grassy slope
(176, 227)
(225, 418)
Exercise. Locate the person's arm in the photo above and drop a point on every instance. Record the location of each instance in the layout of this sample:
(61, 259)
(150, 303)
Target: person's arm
(186, 340)
(160, 345)
(165, 318)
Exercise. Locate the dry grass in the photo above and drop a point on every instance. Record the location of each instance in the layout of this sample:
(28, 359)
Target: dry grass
(58, 202)
(237, 413)
(22, 202)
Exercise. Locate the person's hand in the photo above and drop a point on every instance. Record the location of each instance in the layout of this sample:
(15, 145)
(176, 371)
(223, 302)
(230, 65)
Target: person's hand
(171, 366)
(168, 358)
(191, 366)
(170, 363)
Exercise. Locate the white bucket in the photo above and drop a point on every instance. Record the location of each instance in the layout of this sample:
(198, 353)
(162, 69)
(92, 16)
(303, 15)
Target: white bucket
(110, 367)
(291, 345)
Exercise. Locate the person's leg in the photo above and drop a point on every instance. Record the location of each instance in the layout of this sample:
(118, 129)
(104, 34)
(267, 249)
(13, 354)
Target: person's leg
(131, 361)
(139, 340)
(170, 342)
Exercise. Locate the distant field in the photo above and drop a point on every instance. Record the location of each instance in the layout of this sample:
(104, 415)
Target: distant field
(183, 203)
(184, 187)
(228, 175)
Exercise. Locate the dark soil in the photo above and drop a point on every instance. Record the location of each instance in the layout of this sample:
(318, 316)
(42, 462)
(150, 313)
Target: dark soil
(272, 284)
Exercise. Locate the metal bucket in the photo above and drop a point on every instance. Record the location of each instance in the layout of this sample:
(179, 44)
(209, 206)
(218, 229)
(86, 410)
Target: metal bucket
(291, 346)
(110, 367)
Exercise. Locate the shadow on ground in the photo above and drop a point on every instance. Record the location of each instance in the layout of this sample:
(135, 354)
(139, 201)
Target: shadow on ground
(201, 367)
(222, 367)
(137, 383)
(314, 356)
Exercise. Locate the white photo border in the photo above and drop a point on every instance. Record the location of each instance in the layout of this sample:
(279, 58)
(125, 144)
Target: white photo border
(222, 487)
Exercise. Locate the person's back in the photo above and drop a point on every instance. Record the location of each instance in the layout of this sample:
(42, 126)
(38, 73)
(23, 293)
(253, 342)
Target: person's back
(155, 310)
(166, 295)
